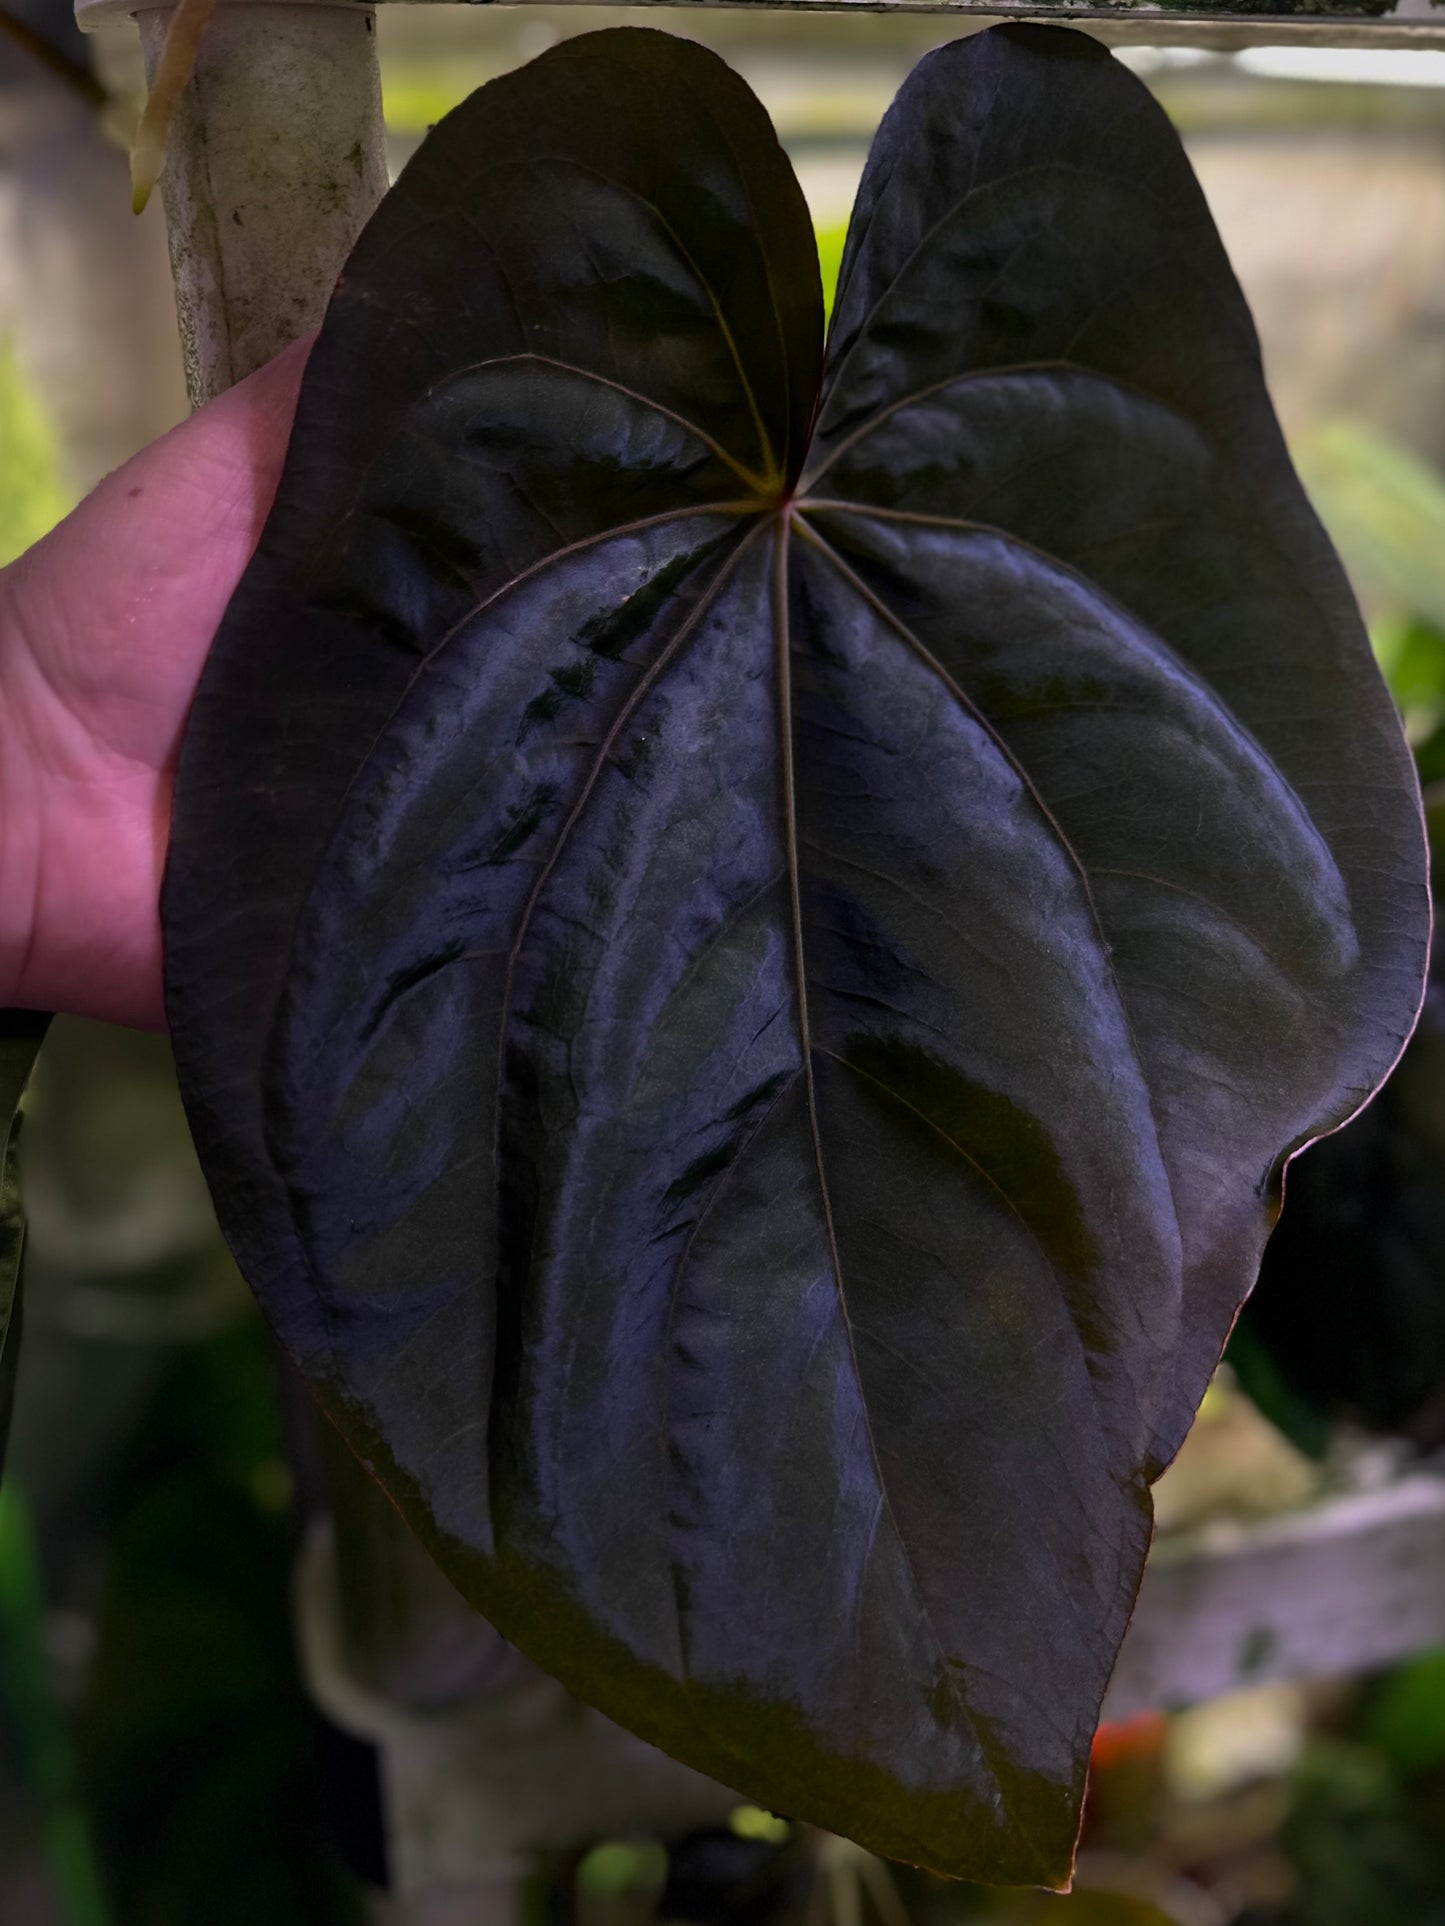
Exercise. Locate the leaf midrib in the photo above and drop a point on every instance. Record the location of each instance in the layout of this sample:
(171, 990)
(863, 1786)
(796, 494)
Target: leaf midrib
(782, 627)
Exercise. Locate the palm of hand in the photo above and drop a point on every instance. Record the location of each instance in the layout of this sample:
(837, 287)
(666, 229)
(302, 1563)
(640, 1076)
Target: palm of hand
(104, 627)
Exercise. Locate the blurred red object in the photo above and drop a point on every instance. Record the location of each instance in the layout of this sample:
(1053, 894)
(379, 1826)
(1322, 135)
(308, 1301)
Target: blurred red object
(1119, 1740)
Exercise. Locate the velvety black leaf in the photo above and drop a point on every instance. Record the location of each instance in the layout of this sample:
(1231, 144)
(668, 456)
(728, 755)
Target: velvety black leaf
(745, 989)
(21, 1034)
(1168, 648)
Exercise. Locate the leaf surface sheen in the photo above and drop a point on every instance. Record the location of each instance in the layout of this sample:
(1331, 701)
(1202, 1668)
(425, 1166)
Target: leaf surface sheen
(778, 921)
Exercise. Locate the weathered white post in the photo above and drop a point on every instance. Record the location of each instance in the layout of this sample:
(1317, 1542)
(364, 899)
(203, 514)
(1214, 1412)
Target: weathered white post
(277, 156)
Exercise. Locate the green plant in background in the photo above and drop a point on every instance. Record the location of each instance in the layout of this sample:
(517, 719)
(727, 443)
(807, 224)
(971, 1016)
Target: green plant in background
(198, 1748)
(1356, 1844)
(1404, 1716)
(830, 239)
(1384, 507)
(183, 1735)
(34, 1725)
(31, 502)
(32, 494)
(21, 1032)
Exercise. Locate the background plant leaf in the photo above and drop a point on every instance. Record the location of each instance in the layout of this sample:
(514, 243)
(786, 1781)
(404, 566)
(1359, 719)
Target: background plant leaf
(745, 996)
(21, 1034)
(1385, 508)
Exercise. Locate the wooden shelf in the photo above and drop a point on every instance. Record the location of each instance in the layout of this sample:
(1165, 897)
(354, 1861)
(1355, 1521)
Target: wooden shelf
(1347, 1585)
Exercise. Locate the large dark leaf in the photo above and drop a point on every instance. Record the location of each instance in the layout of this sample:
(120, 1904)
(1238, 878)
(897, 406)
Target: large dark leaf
(745, 990)
(21, 1034)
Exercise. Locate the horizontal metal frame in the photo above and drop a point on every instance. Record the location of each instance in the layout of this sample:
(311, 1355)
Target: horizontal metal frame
(1320, 23)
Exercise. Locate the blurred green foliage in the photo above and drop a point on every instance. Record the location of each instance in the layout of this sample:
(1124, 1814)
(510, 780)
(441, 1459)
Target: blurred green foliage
(1364, 1846)
(619, 1867)
(1404, 1717)
(199, 1753)
(830, 259)
(32, 496)
(34, 1725)
(21, 1033)
(1384, 508)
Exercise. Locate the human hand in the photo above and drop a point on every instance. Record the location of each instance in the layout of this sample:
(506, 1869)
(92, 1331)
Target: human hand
(104, 627)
